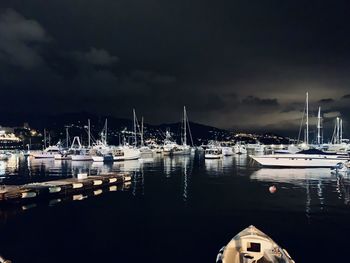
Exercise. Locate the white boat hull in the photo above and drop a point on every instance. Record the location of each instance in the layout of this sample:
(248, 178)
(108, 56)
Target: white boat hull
(227, 151)
(42, 155)
(81, 157)
(97, 158)
(299, 160)
(128, 154)
(62, 157)
(212, 156)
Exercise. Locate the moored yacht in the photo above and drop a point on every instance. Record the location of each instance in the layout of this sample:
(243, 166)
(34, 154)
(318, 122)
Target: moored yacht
(240, 148)
(253, 246)
(62, 155)
(256, 147)
(77, 152)
(49, 152)
(312, 158)
(169, 144)
(125, 152)
(100, 150)
(213, 151)
(227, 150)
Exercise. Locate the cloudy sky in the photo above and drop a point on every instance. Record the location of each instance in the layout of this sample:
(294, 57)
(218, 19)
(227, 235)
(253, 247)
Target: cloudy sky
(242, 65)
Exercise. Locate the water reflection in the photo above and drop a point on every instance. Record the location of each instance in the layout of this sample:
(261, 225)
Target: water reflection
(214, 167)
(321, 189)
(12, 209)
(186, 193)
(316, 184)
(293, 176)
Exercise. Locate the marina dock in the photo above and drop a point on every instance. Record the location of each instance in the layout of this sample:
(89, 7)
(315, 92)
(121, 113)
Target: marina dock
(63, 187)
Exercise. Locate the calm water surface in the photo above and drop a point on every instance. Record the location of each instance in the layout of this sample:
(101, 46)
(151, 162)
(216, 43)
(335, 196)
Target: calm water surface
(181, 209)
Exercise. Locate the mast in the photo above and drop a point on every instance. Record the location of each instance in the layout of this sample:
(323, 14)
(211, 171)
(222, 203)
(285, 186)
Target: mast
(89, 133)
(337, 136)
(142, 131)
(319, 126)
(45, 138)
(307, 118)
(67, 137)
(134, 115)
(185, 122)
(106, 129)
(341, 131)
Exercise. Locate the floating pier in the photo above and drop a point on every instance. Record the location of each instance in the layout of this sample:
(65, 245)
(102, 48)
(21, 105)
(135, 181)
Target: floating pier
(68, 186)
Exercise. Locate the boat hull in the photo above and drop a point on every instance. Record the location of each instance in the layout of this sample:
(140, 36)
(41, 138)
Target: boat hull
(42, 155)
(81, 158)
(212, 156)
(299, 161)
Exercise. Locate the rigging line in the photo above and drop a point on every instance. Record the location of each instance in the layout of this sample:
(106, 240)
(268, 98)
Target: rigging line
(189, 130)
(161, 133)
(301, 124)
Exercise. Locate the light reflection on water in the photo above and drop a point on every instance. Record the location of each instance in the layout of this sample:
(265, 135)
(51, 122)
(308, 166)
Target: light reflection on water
(170, 193)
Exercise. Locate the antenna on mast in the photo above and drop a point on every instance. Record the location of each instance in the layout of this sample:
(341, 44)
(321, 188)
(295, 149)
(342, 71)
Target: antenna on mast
(307, 118)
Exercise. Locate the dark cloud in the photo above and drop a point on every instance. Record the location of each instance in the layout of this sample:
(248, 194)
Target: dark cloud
(347, 96)
(328, 100)
(95, 56)
(20, 40)
(252, 100)
(152, 77)
(248, 62)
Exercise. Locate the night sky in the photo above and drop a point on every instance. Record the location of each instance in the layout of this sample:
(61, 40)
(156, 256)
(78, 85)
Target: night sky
(241, 65)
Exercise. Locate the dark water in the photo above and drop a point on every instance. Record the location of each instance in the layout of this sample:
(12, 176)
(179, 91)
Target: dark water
(181, 209)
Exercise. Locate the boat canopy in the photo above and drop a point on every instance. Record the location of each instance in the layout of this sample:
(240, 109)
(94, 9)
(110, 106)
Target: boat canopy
(315, 151)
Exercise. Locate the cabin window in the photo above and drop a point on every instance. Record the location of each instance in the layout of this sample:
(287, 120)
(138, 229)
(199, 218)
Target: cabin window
(253, 247)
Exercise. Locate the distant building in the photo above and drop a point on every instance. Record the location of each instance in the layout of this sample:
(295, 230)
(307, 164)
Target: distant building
(8, 140)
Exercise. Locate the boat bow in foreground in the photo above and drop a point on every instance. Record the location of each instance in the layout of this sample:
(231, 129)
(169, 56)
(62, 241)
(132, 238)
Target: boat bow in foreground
(253, 246)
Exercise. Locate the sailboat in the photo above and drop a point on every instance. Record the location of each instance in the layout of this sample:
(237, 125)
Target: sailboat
(252, 246)
(100, 151)
(126, 152)
(183, 149)
(47, 152)
(312, 158)
(144, 149)
(338, 143)
(168, 144)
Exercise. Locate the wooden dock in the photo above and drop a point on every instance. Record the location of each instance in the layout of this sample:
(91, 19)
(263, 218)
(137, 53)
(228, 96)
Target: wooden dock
(68, 186)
